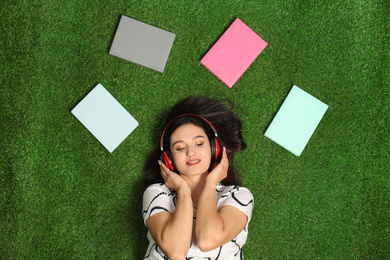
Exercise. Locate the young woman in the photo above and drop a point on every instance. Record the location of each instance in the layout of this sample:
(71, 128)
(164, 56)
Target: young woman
(193, 205)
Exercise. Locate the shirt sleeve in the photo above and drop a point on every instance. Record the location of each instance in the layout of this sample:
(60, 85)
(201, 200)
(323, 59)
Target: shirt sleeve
(157, 198)
(238, 197)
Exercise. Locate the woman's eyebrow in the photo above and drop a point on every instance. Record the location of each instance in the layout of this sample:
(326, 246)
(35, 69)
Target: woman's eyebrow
(181, 141)
(198, 136)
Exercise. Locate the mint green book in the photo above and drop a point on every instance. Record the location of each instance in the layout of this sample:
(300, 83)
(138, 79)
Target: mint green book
(296, 120)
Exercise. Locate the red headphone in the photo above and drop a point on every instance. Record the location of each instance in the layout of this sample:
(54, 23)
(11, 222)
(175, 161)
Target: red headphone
(215, 144)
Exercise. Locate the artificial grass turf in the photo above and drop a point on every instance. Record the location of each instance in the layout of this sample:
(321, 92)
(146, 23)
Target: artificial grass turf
(64, 196)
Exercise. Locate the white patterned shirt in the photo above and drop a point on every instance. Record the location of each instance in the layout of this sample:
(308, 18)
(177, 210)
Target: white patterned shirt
(158, 198)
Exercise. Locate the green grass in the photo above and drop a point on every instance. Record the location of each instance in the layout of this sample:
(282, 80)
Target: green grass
(63, 196)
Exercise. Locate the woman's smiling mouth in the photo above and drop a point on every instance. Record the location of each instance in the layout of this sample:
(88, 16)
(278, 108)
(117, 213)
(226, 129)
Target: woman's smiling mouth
(193, 162)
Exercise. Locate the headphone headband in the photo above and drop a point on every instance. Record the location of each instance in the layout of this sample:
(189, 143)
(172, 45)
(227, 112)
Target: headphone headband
(186, 114)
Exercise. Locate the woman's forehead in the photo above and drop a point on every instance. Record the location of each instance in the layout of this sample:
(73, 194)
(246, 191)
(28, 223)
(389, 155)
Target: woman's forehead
(188, 131)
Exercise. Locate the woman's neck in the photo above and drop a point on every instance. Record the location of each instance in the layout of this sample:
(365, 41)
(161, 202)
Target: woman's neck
(196, 185)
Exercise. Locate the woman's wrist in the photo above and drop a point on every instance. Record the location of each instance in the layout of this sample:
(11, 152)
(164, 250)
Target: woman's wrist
(209, 184)
(183, 190)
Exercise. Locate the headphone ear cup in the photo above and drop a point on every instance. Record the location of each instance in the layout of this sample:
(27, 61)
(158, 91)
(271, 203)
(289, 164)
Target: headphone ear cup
(216, 153)
(218, 150)
(166, 158)
(213, 150)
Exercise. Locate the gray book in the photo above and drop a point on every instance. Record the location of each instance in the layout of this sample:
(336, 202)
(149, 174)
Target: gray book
(142, 44)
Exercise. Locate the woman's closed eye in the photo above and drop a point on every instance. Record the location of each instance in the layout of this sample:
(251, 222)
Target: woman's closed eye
(182, 148)
(179, 148)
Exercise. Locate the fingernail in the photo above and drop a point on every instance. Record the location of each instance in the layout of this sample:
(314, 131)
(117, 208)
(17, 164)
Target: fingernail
(159, 162)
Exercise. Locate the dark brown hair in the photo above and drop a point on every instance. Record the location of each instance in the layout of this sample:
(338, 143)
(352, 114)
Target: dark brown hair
(220, 114)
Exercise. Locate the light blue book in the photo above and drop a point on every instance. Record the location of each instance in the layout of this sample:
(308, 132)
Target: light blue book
(296, 120)
(105, 118)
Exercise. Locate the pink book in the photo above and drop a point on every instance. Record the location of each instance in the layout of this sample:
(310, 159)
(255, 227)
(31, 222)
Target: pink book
(233, 53)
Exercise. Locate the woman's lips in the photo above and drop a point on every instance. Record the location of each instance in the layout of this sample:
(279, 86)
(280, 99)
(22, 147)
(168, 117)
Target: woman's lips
(193, 162)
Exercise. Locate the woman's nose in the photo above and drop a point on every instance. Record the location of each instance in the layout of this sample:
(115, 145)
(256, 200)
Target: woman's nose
(191, 151)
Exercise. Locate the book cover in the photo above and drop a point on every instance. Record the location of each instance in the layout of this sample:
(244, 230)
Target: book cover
(141, 43)
(296, 120)
(105, 118)
(233, 53)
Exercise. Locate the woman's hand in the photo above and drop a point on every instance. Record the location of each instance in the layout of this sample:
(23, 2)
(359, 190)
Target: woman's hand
(215, 227)
(219, 172)
(172, 231)
(173, 180)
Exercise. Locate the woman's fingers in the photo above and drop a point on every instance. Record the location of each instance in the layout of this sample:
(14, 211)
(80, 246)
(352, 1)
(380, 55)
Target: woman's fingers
(173, 180)
(224, 161)
(219, 172)
(163, 169)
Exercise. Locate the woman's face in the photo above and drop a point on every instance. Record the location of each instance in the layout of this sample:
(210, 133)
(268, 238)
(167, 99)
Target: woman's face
(190, 149)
